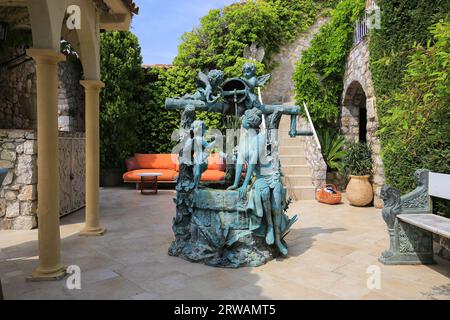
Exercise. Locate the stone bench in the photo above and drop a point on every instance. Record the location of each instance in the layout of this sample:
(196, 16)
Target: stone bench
(410, 221)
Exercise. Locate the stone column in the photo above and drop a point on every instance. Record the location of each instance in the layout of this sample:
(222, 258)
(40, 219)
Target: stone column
(92, 90)
(50, 267)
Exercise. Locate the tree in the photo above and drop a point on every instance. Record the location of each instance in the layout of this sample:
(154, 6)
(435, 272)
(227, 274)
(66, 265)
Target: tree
(123, 76)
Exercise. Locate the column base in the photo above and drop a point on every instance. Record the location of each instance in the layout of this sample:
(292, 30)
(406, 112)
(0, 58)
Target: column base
(92, 232)
(55, 274)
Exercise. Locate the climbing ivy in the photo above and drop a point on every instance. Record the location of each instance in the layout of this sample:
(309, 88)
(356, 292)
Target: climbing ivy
(319, 74)
(410, 66)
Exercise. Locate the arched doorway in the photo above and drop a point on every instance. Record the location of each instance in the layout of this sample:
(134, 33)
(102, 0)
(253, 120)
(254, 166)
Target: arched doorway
(354, 113)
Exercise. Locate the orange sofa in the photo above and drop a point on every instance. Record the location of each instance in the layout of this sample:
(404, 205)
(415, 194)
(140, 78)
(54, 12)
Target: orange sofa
(167, 164)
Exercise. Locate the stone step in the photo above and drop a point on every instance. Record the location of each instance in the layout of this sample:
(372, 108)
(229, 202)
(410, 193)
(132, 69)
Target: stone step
(302, 193)
(292, 150)
(288, 141)
(300, 180)
(295, 170)
(287, 160)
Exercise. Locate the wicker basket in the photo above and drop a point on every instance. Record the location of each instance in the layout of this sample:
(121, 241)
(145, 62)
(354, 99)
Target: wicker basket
(322, 195)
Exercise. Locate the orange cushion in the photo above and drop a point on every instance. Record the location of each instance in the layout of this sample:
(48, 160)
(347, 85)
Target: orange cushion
(213, 175)
(167, 175)
(216, 162)
(155, 161)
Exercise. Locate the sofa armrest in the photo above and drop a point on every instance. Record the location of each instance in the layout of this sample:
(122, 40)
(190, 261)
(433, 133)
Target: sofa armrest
(131, 164)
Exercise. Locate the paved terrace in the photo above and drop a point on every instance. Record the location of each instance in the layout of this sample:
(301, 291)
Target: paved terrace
(330, 250)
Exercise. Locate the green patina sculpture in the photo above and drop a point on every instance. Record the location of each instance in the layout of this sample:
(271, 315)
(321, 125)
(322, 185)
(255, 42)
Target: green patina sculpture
(245, 224)
(407, 243)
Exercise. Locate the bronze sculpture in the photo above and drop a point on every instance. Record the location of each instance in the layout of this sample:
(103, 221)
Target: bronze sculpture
(244, 224)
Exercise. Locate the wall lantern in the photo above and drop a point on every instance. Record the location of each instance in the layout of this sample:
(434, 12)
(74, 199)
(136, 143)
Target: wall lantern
(3, 31)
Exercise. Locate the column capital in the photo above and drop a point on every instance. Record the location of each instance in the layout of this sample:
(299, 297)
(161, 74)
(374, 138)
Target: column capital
(46, 56)
(92, 84)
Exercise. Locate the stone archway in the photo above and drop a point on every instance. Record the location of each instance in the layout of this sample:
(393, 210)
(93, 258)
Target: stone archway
(359, 121)
(354, 113)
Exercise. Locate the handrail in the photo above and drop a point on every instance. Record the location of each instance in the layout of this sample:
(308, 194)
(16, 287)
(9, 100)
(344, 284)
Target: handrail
(312, 126)
(361, 29)
(263, 124)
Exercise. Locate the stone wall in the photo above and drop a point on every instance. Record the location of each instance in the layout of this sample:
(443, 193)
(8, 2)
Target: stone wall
(18, 96)
(280, 89)
(315, 161)
(18, 201)
(70, 97)
(359, 92)
(18, 193)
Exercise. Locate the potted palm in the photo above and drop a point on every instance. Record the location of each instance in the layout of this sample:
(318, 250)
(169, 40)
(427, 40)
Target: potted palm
(358, 166)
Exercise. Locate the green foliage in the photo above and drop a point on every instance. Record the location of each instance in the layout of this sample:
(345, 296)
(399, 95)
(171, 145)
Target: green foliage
(319, 74)
(332, 149)
(416, 120)
(133, 117)
(358, 159)
(403, 23)
(409, 64)
(222, 36)
(219, 43)
(123, 77)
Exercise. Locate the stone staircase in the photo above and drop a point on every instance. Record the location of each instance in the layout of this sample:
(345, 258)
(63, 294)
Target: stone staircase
(297, 174)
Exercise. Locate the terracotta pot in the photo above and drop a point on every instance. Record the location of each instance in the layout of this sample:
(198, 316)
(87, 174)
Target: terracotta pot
(359, 191)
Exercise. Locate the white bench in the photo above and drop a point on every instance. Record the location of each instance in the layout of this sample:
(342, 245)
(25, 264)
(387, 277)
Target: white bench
(410, 220)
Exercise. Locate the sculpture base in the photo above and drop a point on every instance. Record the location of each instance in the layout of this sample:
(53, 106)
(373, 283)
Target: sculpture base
(253, 252)
(406, 259)
(219, 231)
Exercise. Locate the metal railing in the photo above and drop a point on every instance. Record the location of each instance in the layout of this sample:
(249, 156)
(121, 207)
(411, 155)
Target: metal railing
(311, 124)
(361, 29)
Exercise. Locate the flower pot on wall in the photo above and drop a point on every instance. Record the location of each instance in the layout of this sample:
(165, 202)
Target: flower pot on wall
(359, 191)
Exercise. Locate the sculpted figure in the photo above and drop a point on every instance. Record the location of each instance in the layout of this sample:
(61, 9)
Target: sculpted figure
(200, 149)
(249, 77)
(266, 194)
(207, 86)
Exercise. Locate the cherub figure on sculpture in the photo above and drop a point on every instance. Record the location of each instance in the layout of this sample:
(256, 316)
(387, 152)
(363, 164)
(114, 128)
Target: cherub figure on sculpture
(252, 81)
(207, 86)
(197, 150)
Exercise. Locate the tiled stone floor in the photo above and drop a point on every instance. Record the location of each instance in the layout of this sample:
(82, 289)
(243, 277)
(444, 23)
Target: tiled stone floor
(330, 250)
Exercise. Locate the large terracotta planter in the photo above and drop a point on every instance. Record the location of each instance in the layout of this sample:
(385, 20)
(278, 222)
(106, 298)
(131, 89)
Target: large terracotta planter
(359, 191)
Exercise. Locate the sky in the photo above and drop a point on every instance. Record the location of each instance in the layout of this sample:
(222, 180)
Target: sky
(160, 24)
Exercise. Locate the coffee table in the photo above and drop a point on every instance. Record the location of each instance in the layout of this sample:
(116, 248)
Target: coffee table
(149, 178)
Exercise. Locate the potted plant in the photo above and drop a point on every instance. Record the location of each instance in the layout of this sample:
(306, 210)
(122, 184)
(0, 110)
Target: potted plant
(333, 152)
(358, 166)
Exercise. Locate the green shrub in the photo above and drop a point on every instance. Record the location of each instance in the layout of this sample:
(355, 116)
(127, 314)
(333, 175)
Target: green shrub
(332, 149)
(133, 117)
(218, 43)
(403, 23)
(319, 74)
(415, 127)
(358, 159)
(123, 76)
(409, 64)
